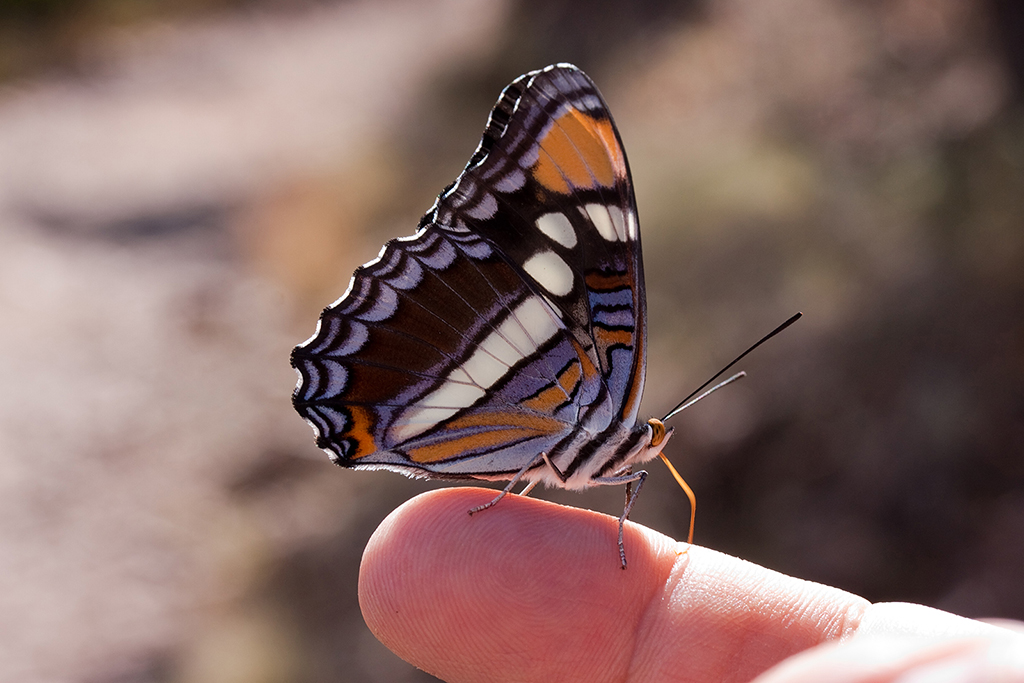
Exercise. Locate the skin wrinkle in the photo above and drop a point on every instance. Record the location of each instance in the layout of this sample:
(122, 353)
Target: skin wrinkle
(793, 614)
(737, 610)
(724, 614)
(631, 533)
(840, 625)
(850, 621)
(654, 608)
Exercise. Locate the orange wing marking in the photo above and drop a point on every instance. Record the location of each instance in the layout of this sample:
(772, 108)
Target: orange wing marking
(590, 371)
(360, 432)
(609, 337)
(599, 282)
(579, 151)
(500, 434)
(552, 397)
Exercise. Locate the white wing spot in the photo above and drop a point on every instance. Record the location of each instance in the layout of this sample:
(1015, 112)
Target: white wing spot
(553, 273)
(484, 368)
(414, 423)
(499, 347)
(438, 405)
(537, 318)
(520, 334)
(452, 395)
(556, 226)
(618, 220)
(459, 375)
(598, 215)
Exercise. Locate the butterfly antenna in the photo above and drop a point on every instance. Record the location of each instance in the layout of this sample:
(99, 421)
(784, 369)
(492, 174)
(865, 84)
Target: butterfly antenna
(686, 402)
(690, 400)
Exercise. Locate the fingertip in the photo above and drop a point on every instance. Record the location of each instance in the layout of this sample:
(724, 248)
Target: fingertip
(526, 586)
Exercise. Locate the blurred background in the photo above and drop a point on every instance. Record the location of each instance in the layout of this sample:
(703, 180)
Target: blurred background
(185, 184)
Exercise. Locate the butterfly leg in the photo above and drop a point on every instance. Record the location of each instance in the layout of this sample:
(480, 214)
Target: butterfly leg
(515, 480)
(627, 478)
(554, 468)
(529, 487)
(532, 484)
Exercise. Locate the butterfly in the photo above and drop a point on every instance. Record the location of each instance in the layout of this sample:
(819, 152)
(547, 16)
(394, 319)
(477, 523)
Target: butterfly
(505, 339)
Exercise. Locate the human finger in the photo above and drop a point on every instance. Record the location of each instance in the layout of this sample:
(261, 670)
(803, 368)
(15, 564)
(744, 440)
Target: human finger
(901, 642)
(529, 590)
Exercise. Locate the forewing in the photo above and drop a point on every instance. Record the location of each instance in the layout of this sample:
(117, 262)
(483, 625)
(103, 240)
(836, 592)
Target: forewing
(550, 186)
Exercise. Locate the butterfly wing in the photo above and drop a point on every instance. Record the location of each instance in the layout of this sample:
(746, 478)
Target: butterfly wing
(511, 323)
(550, 186)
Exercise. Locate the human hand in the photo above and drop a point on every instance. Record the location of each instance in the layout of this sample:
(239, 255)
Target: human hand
(533, 591)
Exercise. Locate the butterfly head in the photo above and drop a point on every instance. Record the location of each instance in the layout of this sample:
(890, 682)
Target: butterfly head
(652, 438)
(660, 434)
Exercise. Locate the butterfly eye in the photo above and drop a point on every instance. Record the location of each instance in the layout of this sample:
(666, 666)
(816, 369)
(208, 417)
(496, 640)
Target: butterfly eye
(658, 429)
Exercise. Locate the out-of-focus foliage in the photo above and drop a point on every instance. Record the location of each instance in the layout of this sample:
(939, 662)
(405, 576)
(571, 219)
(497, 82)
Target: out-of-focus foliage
(40, 36)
